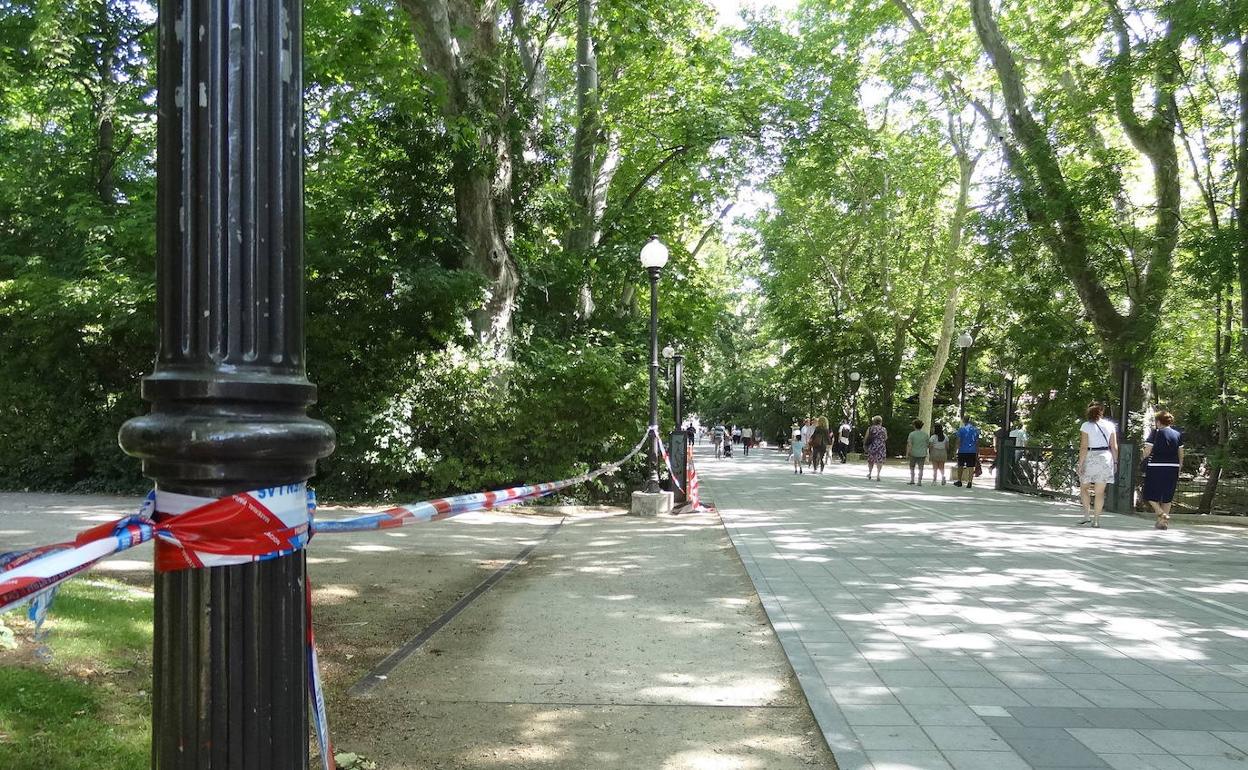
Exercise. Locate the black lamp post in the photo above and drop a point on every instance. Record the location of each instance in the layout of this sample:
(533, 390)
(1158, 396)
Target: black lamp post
(964, 342)
(653, 258)
(677, 446)
(674, 372)
(855, 380)
(229, 392)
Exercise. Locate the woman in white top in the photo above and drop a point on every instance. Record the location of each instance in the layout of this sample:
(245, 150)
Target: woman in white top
(1098, 457)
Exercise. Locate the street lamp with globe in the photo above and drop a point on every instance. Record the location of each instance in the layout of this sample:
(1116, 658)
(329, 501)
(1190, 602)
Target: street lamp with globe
(653, 258)
(965, 340)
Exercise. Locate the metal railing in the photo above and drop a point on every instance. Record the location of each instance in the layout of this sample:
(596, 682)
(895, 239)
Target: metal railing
(1054, 472)
(1204, 488)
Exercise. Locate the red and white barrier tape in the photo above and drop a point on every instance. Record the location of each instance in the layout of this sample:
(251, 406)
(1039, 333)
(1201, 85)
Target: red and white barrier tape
(196, 532)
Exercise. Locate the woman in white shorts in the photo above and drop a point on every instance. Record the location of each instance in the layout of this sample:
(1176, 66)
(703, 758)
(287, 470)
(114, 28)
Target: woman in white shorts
(1098, 457)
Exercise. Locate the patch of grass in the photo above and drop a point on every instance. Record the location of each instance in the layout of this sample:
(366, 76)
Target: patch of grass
(87, 706)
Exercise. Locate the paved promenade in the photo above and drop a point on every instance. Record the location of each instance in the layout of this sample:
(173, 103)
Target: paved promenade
(938, 627)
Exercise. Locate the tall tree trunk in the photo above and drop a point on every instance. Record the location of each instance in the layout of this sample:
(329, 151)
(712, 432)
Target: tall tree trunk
(459, 46)
(1221, 352)
(1241, 173)
(583, 176)
(952, 278)
(1053, 208)
(102, 105)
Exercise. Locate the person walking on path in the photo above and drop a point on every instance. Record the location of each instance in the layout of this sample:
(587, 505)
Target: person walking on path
(938, 452)
(717, 438)
(691, 434)
(796, 448)
(1163, 453)
(842, 440)
(1098, 456)
(747, 441)
(917, 442)
(736, 434)
(820, 438)
(808, 430)
(968, 452)
(876, 442)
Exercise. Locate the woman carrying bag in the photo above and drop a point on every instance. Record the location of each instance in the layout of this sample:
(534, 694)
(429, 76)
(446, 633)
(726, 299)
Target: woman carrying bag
(1098, 457)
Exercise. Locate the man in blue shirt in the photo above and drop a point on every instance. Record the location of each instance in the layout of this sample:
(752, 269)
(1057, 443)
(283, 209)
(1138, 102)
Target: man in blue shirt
(968, 452)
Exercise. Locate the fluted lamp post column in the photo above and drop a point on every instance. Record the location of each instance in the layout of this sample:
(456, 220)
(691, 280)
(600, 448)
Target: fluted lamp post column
(965, 340)
(653, 258)
(855, 379)
(677, 444)
(229, 393)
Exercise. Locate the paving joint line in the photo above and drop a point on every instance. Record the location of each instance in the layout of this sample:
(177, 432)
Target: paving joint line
(367, 683)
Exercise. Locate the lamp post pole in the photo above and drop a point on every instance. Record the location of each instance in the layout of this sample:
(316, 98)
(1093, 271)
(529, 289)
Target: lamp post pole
(678, 389)
(652, 483)
(856, 379)
(653, 258)
(678, 449)
(964, 342)
(229, 391)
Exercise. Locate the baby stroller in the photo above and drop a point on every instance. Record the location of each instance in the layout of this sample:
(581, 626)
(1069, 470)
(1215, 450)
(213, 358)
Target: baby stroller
(727, 447)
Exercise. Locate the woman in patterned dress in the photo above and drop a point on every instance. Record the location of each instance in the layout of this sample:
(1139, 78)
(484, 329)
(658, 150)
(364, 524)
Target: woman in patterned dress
(876, 445)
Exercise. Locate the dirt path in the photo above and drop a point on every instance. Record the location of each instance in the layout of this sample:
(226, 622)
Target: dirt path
(622, 643)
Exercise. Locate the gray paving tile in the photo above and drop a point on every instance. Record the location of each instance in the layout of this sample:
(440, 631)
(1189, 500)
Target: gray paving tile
(1090, 681)
(1236, 720)
(1033, 716)
(1049, 747)
(906, 678)
(858, 714)
(865, 695)
(1021, 680)
(1120, 666)
(893, 738)
(989, 696)
(925, 696)
(946, 714)
(1189, 719)
(986, 760)
(1145, 762)
(1133, 719)
(969, 679)
(1150, 682)
(965, 738)
(907, 760)
(1232, 700)
(1237, 739)
(1199, 762)
(1182, 700)
(1116, 699)
(1189, 742)
(1063, 697)
(1104, 740)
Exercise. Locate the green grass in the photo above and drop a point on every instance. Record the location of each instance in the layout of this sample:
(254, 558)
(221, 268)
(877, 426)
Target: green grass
(88, 706)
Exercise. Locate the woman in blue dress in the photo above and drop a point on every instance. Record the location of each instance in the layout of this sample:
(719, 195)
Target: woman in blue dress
(1163, 451)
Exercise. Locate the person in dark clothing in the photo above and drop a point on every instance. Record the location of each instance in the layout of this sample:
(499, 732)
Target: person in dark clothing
(820, 438)
(691, 433)
(1163, 455)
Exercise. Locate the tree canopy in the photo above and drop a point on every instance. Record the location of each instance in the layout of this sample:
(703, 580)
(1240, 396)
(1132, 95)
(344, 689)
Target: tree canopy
(845, 187)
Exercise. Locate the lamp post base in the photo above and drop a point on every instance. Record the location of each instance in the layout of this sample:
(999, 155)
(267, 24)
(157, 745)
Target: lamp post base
(651, 504)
